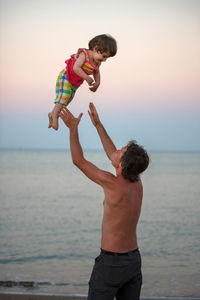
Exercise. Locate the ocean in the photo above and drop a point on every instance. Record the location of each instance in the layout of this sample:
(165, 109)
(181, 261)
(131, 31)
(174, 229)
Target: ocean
(50, 221)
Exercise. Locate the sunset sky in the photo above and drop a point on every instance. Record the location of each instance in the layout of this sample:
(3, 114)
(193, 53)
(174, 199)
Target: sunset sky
(150, 91)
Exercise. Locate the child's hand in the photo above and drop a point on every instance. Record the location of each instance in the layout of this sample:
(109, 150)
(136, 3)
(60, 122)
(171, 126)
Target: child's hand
(89, 80)
(94, 87)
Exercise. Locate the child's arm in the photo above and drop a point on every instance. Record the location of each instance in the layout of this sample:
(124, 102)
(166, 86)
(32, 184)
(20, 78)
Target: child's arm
(77, 69)
(96, 84)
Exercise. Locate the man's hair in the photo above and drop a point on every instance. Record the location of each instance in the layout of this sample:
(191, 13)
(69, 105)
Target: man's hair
(134, 161)
(104, 43)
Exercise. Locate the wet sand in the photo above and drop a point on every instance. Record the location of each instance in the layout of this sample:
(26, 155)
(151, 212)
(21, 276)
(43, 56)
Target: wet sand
(26, 296)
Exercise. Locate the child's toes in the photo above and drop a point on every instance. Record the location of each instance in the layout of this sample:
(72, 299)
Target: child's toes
(50, 120)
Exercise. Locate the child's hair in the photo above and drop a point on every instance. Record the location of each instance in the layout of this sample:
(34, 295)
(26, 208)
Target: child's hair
(134, 161)
(104, 43)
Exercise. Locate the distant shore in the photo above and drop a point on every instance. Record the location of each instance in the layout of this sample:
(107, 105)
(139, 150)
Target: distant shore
(46, 296)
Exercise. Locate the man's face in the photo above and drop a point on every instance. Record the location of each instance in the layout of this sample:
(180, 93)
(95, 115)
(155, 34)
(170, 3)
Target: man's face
(118, 155)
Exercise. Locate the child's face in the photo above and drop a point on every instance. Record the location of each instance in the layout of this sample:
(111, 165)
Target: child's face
(100, 57)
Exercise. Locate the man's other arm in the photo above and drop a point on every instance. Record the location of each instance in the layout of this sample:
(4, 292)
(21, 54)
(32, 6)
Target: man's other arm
(106, 141)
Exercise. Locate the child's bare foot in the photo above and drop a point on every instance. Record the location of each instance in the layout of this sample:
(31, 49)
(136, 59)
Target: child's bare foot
(54, 115)
(50, 120)
(54, 121)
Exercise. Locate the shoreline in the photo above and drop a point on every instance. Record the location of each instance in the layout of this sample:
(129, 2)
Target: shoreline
(47, 296)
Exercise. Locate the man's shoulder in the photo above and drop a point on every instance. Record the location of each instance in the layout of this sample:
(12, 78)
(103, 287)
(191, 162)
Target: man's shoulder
(108, 177)
(126, 186)
(94, 173)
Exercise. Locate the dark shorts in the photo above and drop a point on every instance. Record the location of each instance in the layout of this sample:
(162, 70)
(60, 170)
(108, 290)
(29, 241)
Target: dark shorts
(117, 276)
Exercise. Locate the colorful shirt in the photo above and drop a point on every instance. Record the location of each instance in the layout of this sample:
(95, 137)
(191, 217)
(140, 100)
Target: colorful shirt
(87, 67)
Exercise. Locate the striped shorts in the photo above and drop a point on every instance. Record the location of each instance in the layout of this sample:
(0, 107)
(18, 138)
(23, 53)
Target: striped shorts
(65, 91)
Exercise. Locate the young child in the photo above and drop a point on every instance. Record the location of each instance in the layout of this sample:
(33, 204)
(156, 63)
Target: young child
(78, 68)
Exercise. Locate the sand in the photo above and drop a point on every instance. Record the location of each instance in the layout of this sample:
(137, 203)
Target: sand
(26, 296)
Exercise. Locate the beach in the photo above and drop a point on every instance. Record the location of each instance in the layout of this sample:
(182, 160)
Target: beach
(75, 297)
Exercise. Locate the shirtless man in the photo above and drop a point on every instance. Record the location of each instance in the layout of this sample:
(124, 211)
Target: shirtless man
(117, 270)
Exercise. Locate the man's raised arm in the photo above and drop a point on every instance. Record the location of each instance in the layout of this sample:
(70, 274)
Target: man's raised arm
(107, 143)
(89, 169)
(72, 123)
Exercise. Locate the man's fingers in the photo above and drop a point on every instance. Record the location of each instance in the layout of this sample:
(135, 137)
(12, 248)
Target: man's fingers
(61, 113)
(93, 108)
(91, 114)
(91, 104)
(67, 110)
(79, 117)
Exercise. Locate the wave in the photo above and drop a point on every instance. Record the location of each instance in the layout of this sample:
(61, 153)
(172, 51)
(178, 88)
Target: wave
(40, 257)
(36, 284)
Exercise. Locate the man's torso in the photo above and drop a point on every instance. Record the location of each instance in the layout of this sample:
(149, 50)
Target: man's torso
(122, 207)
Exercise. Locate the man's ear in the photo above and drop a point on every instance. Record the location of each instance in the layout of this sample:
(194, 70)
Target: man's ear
(119, 169)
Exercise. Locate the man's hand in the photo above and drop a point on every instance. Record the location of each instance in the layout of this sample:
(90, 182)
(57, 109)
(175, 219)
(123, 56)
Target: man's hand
(93, 115)
(69, 119)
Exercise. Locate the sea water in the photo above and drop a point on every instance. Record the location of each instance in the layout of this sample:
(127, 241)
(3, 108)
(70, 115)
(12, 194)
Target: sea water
(50, 223)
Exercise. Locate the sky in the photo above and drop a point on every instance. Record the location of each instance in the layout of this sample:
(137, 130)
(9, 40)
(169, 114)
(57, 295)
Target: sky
(149, 92)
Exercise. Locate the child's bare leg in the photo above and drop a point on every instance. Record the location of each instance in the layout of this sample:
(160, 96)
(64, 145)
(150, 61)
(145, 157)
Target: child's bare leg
(54, 115)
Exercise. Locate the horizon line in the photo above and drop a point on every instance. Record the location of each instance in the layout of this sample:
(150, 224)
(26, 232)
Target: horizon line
(91, 149)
